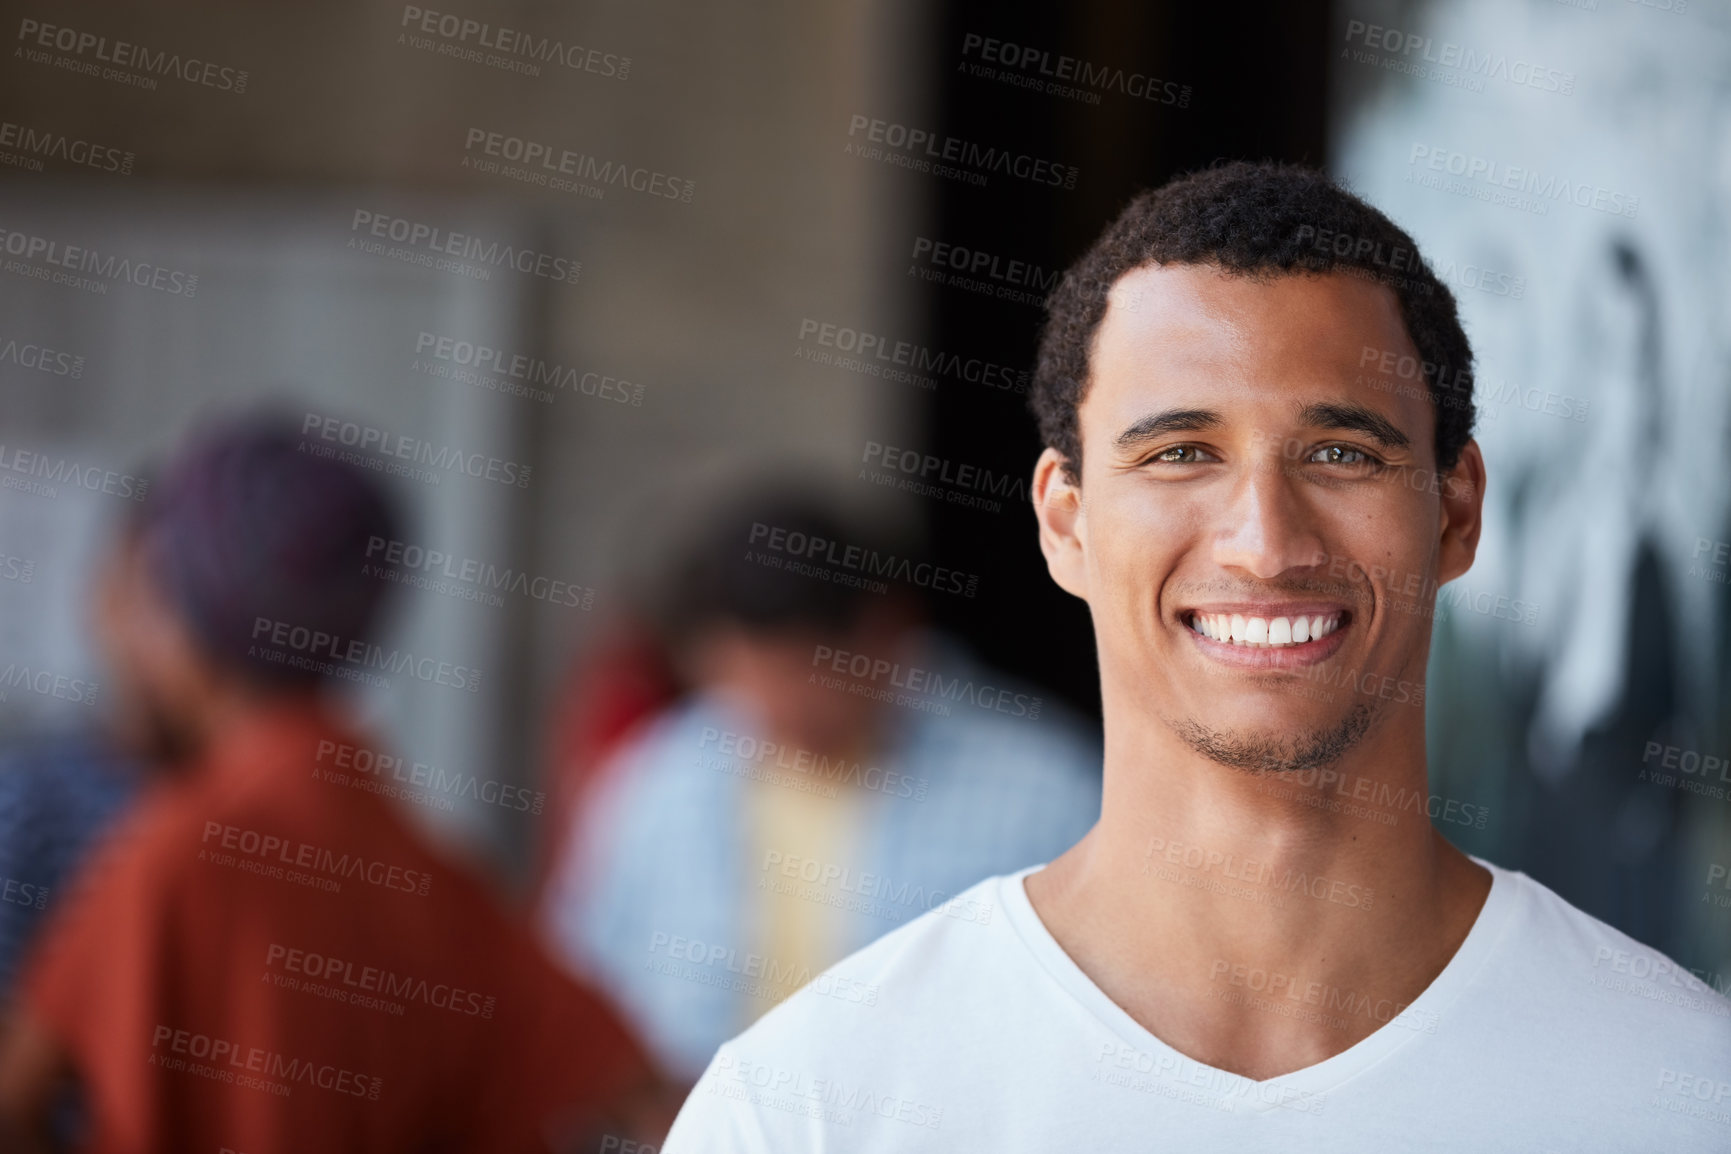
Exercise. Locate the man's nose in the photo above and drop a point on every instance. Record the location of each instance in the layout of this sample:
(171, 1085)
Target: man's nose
(1266, 528)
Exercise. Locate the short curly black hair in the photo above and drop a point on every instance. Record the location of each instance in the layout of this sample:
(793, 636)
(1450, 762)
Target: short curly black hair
(1252, 219)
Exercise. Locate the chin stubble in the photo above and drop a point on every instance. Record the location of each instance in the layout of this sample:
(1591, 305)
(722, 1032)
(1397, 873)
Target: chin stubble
(1258, 753)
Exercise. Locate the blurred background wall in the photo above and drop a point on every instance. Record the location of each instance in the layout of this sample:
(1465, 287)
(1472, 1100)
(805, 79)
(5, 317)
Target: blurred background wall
(671, 349)
(1574, 198)
(1591, 632)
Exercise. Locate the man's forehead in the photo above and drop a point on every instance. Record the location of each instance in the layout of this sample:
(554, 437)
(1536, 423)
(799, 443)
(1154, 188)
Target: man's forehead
(1189, 291)
(1179, 314)
(1197, 336)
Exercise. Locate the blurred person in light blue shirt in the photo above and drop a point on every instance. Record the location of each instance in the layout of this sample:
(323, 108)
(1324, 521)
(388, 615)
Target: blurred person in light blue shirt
(834, 770)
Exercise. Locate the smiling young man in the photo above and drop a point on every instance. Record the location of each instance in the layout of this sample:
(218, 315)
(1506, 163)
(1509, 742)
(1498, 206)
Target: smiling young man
(1259, 467)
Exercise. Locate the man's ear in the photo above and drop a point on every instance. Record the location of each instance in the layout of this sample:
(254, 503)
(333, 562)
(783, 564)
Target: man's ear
(1463, 507)
(1063, 525)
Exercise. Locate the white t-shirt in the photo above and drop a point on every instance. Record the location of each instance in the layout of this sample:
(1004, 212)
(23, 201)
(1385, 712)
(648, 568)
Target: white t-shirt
(970, 1029)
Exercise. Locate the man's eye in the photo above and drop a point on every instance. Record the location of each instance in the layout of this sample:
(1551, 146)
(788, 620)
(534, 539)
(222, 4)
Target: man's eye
(1340, 455)
(1179, 455)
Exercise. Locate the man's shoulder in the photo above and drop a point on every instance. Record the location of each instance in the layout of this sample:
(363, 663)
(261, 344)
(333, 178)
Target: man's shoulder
(877, 1033)
(1583, 979)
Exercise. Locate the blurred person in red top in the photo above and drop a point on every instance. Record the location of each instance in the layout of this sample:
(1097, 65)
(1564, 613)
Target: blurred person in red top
(264, 957)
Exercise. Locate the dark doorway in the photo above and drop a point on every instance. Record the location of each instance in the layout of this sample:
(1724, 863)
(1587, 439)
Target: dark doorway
(1129, 94)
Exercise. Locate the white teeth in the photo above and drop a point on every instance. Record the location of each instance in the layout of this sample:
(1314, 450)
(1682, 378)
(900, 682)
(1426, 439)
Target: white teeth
(1263, 632)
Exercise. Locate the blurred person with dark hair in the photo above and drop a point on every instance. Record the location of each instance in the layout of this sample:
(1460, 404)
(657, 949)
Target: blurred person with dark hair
(262, 957)
(791, 808)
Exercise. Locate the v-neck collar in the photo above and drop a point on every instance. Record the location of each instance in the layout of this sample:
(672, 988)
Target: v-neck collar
(1302, 1088)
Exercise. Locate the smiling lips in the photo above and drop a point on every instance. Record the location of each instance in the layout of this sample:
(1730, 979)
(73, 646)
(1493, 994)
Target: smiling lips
(1264, 632)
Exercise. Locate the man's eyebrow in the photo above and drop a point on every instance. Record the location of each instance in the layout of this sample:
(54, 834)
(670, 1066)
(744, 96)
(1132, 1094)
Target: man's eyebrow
(1352, 415)
(1170, 421)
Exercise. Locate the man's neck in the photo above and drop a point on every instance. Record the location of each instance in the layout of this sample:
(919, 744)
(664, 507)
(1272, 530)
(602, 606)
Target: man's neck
(1209, 902)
